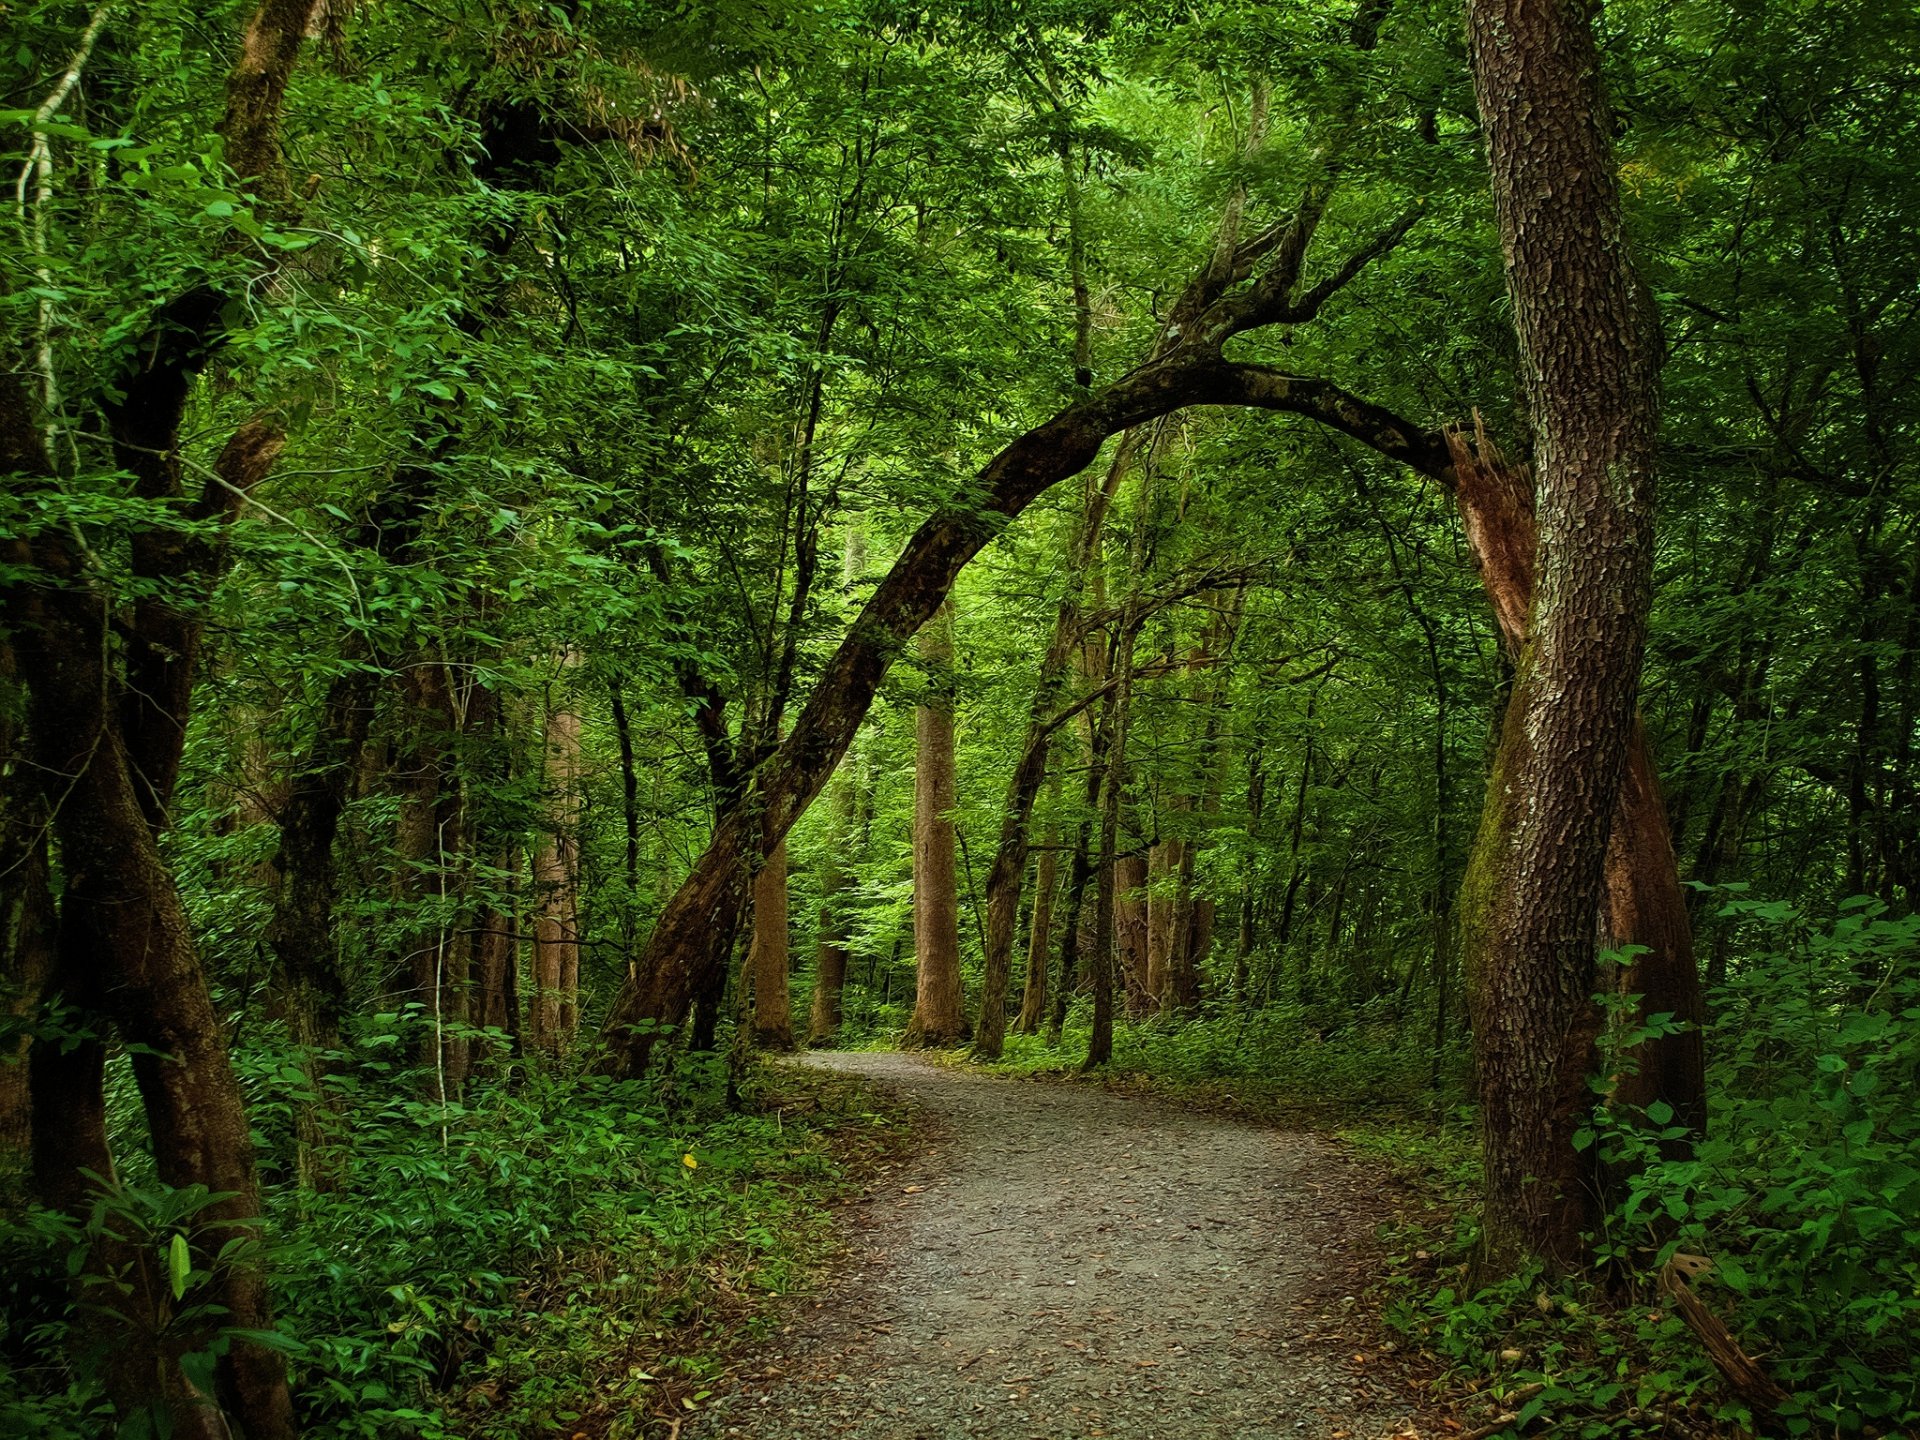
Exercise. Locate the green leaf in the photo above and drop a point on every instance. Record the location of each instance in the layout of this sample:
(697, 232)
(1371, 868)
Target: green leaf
(179, 1264)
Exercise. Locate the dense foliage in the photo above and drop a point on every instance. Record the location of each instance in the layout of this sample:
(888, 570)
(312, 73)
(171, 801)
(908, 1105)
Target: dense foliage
(610, 354)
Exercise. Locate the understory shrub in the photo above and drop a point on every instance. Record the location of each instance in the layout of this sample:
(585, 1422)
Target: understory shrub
(1804, 1198)
(487, 1267)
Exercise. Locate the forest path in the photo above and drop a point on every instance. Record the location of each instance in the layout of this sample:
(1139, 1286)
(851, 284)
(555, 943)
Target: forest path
(1062, 1262)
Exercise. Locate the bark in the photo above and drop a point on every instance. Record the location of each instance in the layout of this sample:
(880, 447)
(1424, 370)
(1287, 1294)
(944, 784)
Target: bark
(428, 842)
(1114, 744)
(301, 931)
(1644, 903)
(1130, 930)
(939, 1012)
(125, 948)
(1033, 999)
(830, 956)
(28, 921)
(767, 955)
(1079, 872)
(496, 990)
(554, 1013)
(1589, 362)
(1163, 907)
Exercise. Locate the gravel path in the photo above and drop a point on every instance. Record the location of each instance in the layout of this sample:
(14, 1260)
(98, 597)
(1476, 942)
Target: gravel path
(1067, 1263)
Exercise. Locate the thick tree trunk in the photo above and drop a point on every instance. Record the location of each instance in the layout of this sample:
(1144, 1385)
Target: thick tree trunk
(767, 955)
(939, 1012)
(1645, 905)
(28, 921)
(1591, 370)
(301, 933)
(126, 949)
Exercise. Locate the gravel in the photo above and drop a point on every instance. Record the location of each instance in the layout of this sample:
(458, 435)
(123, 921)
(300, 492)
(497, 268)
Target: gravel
(1062, 1262)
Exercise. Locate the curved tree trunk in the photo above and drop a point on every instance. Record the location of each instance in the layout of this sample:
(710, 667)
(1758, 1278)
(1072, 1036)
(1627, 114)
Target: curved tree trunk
(1590, 365)
(1645, 904)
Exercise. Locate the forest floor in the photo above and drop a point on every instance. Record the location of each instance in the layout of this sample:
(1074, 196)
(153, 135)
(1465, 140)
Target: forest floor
(1058, 1262)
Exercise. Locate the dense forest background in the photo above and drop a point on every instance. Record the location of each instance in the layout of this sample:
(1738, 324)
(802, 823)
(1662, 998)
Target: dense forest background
(453, 447)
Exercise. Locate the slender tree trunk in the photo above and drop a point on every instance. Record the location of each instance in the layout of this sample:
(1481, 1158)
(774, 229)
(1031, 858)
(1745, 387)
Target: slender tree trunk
(939, 1014)
(1079, 872)
(28, 926)
(830, 955)
(1114, 743)
(556, 937)
(301, 932)
(1033, 999)
(1591, 370)
(768, 958)
(1130, 930)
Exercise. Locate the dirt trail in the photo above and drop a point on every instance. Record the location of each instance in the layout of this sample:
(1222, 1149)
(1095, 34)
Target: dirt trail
(1066, 1263)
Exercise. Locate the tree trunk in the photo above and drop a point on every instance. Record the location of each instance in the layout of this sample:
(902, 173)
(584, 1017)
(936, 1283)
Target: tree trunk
(1165, 934)
(767, 955)
(28, 921)
(1033, 999)
(301, 933)
(1645, 905)
(1008, 872)
(554, 1013)
(1589, 361)
(1130, 930)
(830, 955)
(939, 1012)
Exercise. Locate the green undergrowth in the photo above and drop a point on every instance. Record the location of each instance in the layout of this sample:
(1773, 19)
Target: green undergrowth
(556, 1255)
(1282, 1064)
(1804, 1201)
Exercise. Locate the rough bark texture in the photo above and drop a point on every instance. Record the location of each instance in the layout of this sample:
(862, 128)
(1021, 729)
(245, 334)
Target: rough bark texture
(830, 955)
(939, 1011)
(1644, 905)
(1590, 367)
(1163, 911)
